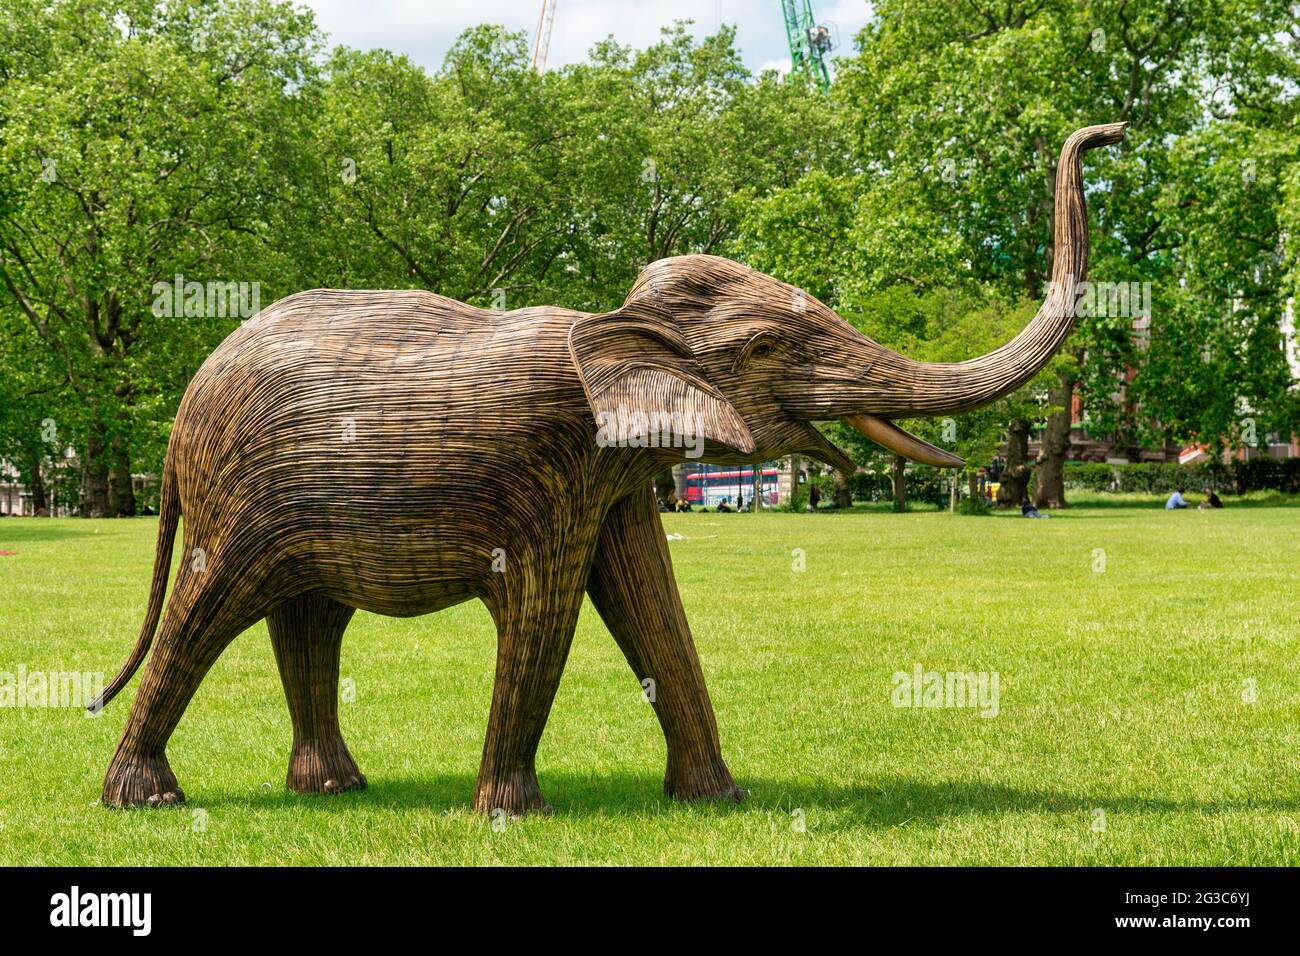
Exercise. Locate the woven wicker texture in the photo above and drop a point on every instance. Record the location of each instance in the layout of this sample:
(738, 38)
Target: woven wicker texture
(401, 452)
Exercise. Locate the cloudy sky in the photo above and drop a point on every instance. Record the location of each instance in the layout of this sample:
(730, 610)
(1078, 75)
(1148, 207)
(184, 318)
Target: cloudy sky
(425, 29)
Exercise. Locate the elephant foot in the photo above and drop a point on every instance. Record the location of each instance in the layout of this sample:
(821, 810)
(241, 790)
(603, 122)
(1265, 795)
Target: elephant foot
(323, 766)
(703, 781)
(140, 780)
(516, 793)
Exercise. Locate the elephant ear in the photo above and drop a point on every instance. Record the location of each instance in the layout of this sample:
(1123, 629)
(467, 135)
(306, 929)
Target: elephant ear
(634, 361)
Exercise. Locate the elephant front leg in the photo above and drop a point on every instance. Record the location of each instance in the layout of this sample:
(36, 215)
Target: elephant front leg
(535, 617)
(633, 588)
(307, 634)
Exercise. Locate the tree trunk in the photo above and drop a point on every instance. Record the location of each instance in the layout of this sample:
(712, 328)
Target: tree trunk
(1014, 487)
(794, 481)
(94, 476)
(843, 499)
(756, 492)
(973, 488)
(666, 487)
(679, 482)
(897, 467)
(121, 492)
(39, 501)
(1049, 490)
(32, 455)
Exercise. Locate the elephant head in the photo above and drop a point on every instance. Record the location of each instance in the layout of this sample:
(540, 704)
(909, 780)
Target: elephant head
(755, 362)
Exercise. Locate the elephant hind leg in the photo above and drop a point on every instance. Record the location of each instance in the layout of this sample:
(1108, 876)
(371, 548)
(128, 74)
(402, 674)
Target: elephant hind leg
(198, 625)
(307, 633)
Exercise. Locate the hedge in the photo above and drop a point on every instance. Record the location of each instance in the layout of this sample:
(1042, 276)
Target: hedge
(930, 485)
(923, 485)
(1256, 474)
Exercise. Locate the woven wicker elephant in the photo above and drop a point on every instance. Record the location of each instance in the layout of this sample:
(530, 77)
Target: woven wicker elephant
(318, 459)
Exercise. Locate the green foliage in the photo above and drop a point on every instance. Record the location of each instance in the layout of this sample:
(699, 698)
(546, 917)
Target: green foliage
(1266, 474)
(1163, 478)
(870, 486)
(949, 325)
(1241, 477)
(140, 142)
(1216, 363)
(1094, 476)
(797, 499)
(209, 140)
(976, 506)
(956, 115)
(214, 139)
(924, 485)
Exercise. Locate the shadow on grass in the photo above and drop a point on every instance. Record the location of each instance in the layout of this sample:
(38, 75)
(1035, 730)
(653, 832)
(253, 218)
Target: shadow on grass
(882, 804)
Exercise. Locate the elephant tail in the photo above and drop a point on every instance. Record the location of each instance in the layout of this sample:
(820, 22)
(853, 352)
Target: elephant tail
(169, 513)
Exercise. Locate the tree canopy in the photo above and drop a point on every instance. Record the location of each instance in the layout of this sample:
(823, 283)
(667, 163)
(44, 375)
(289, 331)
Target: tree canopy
(149, 144)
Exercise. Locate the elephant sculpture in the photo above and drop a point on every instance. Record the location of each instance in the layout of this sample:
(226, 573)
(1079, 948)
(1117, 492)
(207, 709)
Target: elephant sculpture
(318, 458)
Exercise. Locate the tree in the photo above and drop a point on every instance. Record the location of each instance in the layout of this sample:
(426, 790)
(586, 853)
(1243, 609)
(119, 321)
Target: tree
(1214, 369)
(29, 399)
(960, 111)
(141, 142)
(947, 325)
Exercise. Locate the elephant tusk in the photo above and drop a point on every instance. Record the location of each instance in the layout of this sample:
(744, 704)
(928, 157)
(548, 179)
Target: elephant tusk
(888, 435)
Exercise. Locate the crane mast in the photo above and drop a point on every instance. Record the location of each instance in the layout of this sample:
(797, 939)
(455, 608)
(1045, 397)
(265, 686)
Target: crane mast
(542, 39)
(810, 42)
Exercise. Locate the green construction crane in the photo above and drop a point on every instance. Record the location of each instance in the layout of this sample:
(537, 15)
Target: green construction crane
(810, 42)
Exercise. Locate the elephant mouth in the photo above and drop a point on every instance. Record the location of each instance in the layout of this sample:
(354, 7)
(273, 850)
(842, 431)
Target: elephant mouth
(884, 433)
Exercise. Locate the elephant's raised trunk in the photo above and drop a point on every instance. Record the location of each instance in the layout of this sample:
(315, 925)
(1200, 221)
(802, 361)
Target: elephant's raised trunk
(947, 388)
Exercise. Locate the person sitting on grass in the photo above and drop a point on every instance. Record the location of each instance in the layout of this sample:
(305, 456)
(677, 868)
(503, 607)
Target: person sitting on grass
(1029, 511)
(1211, 499)
(1176, 500)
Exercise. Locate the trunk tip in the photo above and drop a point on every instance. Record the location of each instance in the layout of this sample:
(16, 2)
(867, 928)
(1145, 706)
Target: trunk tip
(1090, 137)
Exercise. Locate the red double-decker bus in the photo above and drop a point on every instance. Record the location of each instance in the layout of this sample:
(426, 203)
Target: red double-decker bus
(710, 485)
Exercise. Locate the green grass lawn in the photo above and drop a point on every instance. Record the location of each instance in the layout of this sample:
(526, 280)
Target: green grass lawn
(1149, 690)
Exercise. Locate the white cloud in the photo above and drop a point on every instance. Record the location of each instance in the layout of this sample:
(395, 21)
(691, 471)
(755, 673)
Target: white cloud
(425, 30)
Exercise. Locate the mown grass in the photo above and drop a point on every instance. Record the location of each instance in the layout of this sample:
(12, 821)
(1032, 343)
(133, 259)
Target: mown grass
(1127, 642)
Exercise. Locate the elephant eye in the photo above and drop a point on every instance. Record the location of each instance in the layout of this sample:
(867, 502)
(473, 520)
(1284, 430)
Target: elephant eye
(760, 346)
